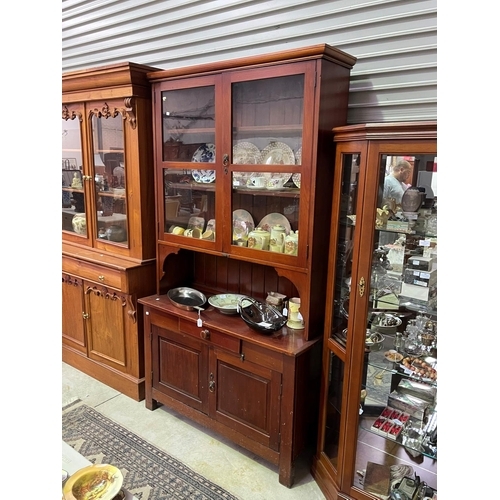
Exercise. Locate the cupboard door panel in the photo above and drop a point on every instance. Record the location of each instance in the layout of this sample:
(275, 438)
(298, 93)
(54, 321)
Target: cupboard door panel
(106, 328)
(72, 313)
(180, 367)
(247, 398)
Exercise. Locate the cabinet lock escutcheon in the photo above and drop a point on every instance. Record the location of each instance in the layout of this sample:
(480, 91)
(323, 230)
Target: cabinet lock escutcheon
(101, 277)
(211, 383)
(361, 286)
(205, 334)
(85, 315)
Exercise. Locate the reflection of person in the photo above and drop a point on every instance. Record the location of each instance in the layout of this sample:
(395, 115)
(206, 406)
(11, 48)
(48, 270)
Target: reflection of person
(394, 183)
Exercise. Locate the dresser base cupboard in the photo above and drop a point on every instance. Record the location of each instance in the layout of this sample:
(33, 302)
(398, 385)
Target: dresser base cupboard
(248, 388)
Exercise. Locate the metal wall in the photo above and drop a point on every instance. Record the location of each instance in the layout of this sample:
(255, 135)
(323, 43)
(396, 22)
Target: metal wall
(395, 41)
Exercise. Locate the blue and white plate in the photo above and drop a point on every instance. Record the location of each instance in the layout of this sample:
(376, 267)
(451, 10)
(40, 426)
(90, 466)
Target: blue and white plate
(205, 154)
(203, 176)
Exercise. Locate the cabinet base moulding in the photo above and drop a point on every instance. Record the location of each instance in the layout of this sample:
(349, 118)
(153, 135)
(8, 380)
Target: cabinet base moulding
(130, 386)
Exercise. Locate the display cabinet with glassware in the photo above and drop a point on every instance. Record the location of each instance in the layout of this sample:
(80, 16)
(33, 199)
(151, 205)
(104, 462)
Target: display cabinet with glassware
(243, 194)
(378, 414)
(109, 243)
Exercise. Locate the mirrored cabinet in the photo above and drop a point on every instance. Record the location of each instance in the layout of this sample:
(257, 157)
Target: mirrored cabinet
(378, 413)
(108, 235)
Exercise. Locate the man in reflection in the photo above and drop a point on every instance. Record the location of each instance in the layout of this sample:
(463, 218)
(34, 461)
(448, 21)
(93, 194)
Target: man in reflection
(394, 183)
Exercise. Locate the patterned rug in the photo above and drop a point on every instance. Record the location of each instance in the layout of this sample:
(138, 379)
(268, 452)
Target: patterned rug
(148, 472)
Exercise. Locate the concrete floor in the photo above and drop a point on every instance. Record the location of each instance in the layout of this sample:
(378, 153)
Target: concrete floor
(240, 472)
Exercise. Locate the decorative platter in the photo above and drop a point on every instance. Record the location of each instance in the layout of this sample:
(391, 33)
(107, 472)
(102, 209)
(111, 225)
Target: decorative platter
(203, 176)
(273, 219)
(393, 355)
(246, 153)
(225, 303)
(298, 157)
(205, 153)
(242, 223)
(296, 179)
(94, 482)
(278, 153)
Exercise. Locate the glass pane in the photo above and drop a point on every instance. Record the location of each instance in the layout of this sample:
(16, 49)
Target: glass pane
(189, 125)
(333, 409)
(266, 211)
(73, 201)
(399, 396)
(189, 203)
(346, 232)
(110, 177)
(267, 121)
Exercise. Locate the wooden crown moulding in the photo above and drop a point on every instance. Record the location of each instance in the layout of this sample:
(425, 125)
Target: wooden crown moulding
(292, 55)
(127, 78)
(380, 131)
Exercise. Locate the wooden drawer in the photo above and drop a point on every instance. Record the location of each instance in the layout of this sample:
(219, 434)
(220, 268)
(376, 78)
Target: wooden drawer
(211, 335)
(99, 274)
(262, 356)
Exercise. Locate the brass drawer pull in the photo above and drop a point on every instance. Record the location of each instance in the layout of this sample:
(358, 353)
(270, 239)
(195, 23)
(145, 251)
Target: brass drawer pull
(205, 334)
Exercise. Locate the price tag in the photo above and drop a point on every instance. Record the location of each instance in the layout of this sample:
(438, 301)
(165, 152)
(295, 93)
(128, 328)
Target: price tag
(424, 243)
(199, 322)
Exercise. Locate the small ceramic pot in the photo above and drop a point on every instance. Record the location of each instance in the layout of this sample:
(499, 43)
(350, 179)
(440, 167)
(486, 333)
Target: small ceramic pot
(79, 223)
(258, 239)
(116, 233)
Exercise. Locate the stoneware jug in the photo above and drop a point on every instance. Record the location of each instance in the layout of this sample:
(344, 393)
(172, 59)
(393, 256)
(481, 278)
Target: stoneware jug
(277, 241)
(258, 239)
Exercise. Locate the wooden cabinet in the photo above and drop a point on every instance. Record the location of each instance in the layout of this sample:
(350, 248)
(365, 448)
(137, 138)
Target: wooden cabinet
(259, 391)
(378, 413)
(107, 221)
(241, 145)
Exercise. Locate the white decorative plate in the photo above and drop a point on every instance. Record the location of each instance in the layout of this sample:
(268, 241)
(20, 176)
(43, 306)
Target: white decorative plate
(246, 153)
(203, 176)
(278, 153)
(242, 223)
(205, 154)
(298, 156)
(296, 179)
(274, 218)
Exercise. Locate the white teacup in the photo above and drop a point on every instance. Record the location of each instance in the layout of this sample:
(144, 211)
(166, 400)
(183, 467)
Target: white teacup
(258, 181)
(276, 183)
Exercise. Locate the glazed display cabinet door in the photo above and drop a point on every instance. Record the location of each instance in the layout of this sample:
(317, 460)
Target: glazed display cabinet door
(245, 397)
(73, 313)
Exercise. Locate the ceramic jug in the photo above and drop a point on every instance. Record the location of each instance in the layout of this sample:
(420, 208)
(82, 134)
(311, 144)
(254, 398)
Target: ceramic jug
(292, 243)
(277, 241)
(258, 239)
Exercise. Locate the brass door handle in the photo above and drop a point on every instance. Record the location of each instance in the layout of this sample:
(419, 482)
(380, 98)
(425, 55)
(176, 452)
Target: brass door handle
(361, 286)
(211, 383)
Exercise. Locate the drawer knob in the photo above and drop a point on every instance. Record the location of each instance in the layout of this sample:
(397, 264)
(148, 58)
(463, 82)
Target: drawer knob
(205, 334)
(101, 277)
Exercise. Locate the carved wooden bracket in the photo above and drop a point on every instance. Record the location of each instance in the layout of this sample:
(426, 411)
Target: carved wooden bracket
(128, 112)
(67, 115)
(132, 311)
(106, 294)
(71, 280)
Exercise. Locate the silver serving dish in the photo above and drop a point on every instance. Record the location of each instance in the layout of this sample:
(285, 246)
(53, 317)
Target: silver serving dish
(186, 298)
(374, 340)
(385, 323)
(260, 316)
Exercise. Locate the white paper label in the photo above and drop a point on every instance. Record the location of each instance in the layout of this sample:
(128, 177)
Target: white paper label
(199, 322)
(424, 243)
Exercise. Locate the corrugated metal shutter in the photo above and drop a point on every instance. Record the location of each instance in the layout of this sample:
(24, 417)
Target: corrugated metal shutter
(395, 41)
